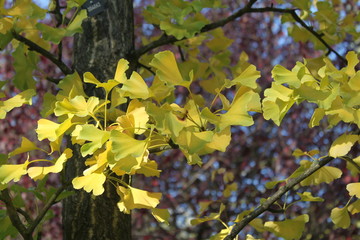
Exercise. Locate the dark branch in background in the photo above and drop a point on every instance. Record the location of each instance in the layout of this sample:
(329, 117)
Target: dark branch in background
(165, 39)
(147, 68)
(34, 47)
(276, 196)
(181, 54)
(350, 160)
(13, 215)
(26, 232)
(319, 36)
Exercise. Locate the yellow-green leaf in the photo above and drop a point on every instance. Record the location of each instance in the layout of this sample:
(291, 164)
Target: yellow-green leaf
(38, 173)
(108, 86)
(340, 217)
(161, 215)
(342, 145)
(308, 197)
(354, 207)
(90, 133)
(135, 87)
(77, 106)
(92, 182)
(149, 169)
(324, 174)
(123, 145)
(289, 228)
(26, 146)
(212, 216)
(136, 198)
(47, 130)
(121, 68)
(9, 172)
(248, 77)
(354, 189)
(24, 97)
(167, 69)
(282, 75)
(230, 188)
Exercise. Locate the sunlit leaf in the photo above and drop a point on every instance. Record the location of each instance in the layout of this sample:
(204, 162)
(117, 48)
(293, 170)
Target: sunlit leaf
(324, 174)
(340, 217)
(308, 197)
(132, 198)
(161, 215)
(289, 228)
(121, 68)
(9, 172)
(123, 145)
(354, 207)
(149, 169)
(78, 106)
(248, 77)
(342, 145)
(282, 75)
(354, 189)
(95, 136)
(26, 146)
(38, 173)
(212, 216)
(135, 87)
(92, 182)
(108, 85)
(24, 97)
(47, 130)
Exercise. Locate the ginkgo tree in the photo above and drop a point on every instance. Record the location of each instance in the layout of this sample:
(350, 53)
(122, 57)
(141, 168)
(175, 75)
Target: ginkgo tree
(117, 107)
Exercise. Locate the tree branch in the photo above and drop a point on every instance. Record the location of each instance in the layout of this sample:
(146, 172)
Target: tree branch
(13, 215)
(166, 39)
(41, 215)
(319, 36)
(34, 47)
(276, 196)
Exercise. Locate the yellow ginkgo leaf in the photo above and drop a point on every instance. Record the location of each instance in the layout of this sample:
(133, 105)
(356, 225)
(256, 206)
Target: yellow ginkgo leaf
(38, 173)
(230, 188)
(121, 68)
(342, 145)
(194, 142)
(108, 86)
(354, 189)
(135, 119)
(248, 77)
(136, 198)
(47, 130)
(26, 146)
(24, 97)
(92, 182)
(289, 228)
(167, 69)
(161, 215)
(149, 169)
(123, 145)
(340, 217)
(95, 136)
(128, 164)
(135, 87)
(9, 172)
(354, 207)
(212, 216)
(308, 197)
(324, 174)
(77, 106)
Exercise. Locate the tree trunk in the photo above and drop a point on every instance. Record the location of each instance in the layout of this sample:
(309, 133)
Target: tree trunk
(107, 37)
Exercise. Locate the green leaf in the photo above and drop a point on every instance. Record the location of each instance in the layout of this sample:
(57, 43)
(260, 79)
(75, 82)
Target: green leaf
(289, 228)
(193, 142)
(71, 86)
(5, 39)
(308, 197)
(24, 64)
(340, 217)
(26, 146)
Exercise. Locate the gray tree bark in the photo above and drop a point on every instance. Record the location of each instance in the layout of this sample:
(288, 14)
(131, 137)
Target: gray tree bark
(107, 37)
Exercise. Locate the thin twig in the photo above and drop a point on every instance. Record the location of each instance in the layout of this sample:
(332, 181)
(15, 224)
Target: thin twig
(310, 29)
(41, 215)
(276, 196)
(166, 39)
(13, 215)
(34, 47)
(147, 68)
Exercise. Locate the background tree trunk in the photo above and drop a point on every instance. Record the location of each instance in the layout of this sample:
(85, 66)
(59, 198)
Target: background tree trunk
(107, 37)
